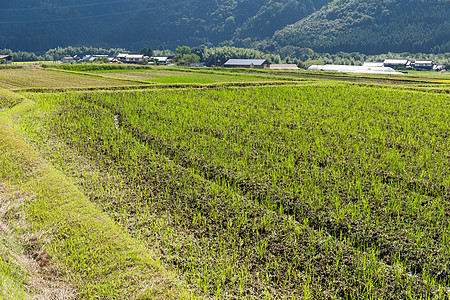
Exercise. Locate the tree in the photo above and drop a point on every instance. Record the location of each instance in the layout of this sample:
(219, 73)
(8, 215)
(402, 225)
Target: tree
(184, 56)
(147, 51)
(199, 51)
(182, 50)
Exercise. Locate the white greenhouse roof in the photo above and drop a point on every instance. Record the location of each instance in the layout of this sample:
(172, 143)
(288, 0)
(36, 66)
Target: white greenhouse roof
(352, 69)
(284, 66)
(373, 64)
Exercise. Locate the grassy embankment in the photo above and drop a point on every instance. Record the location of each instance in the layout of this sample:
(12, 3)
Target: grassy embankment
(60, 230)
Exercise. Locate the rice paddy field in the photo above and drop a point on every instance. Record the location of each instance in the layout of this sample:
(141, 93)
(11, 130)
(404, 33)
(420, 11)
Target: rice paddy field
(290, 186)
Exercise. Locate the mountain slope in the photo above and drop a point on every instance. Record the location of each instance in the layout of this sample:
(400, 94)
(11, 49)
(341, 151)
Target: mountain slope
(373, 26)
(204, 22)
(42, 24)
(367, 26)
(35, 25)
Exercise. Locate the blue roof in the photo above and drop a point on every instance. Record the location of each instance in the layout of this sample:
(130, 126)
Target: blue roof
(245, 62)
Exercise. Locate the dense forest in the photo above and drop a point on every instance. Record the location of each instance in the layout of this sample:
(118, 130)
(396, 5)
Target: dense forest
(373, 26)
(366, 26)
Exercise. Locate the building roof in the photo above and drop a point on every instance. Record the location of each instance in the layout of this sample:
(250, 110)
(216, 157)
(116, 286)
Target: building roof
(373, 64)
(430, 62)
(245, 62)
(5, 56)
(284, 66)
(135, 56)
(160, 58)
(122, 55)
(396, 61)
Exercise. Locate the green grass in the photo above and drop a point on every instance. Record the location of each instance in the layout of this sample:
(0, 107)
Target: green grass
(98, 258)
(315, 191)
(8, 99)
(161, 75)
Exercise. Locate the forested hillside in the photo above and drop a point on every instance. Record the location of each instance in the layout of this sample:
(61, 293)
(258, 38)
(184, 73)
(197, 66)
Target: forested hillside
(373, 26)
(203, 22)
(367, 26)
(42, 24)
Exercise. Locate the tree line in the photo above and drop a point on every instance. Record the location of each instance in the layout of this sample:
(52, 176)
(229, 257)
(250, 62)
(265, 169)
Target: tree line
(210, 56)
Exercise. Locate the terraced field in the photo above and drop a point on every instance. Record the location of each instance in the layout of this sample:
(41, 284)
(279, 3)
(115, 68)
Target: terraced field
(33, 77)
(311, 189)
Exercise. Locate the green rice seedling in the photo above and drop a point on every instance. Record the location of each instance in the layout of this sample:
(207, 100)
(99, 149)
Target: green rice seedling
(280, 184)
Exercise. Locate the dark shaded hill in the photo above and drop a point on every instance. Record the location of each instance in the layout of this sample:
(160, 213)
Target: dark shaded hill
(368, 26)
(200, 22)
(373, 26)
(43, 24)
(35, 25)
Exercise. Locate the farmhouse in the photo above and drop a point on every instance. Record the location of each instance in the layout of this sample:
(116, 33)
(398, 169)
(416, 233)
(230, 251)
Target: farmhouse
(423, 64)
(6, 59)
(397, 63)
(284, 67)
(131, 58)
(136, 58)
(162, 60)
(67, 59)
(121, 56)
(247, 63)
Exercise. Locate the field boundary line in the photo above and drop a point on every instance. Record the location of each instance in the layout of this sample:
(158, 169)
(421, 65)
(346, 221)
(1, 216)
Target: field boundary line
(167, 86)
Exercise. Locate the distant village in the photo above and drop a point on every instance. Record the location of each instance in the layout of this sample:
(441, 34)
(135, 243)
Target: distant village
(389, 65)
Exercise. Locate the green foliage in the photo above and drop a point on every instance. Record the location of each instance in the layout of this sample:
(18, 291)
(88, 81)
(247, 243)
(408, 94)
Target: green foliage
(373, 27)
(147, 51)
(185, 56)
(183, 50)
(60, 52)
(211, 55)
(8, 99)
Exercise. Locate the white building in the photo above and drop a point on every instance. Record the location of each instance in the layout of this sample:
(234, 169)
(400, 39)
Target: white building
(424, 64)
(247, 63)
(7, 59)
(397, 63)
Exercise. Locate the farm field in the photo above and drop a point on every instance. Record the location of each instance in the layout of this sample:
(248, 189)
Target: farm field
(315, 189)
(161, 75)
(34, 77)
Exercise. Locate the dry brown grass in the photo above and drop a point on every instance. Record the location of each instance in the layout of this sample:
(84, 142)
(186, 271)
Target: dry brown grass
(26, 251)
(36, 77)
